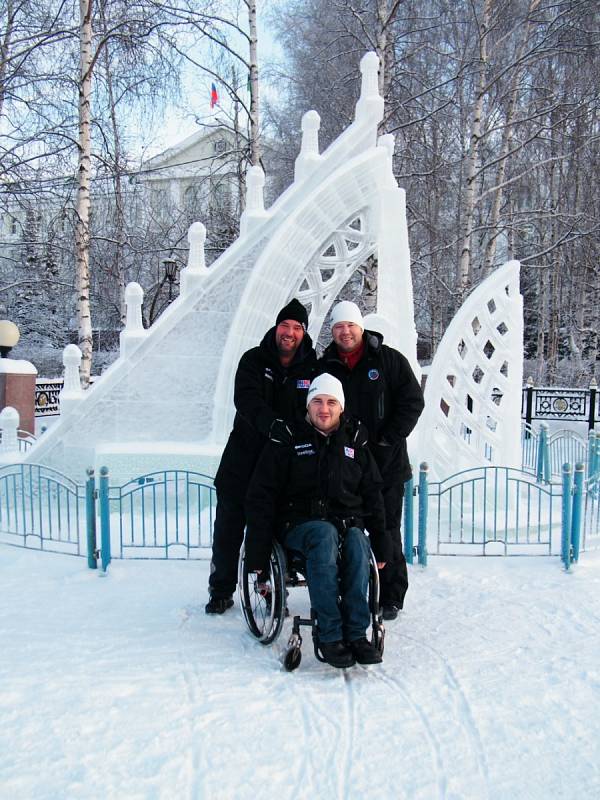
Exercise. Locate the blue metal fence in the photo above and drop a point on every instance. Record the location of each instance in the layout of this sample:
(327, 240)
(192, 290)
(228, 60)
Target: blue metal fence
(170, 514)
(494, 510)
(544, 455)
(42, 508)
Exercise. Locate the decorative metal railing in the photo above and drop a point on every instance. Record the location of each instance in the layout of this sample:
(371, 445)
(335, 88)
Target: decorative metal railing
(47, 397)
(576, 405)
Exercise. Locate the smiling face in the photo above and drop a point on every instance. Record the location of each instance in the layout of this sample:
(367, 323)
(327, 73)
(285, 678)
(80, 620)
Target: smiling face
(324, 412)
(347, 336)
(288, 335)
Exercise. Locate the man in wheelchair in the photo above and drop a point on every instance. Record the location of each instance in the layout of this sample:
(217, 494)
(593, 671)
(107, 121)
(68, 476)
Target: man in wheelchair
(316, 496)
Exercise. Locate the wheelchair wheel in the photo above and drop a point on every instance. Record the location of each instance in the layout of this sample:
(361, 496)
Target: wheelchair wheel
(262, 597)
(377, 629)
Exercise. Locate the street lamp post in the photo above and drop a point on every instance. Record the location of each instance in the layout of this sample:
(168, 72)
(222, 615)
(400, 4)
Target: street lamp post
(170, 267)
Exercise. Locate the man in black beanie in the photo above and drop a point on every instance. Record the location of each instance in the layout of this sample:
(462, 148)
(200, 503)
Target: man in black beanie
(271, 384)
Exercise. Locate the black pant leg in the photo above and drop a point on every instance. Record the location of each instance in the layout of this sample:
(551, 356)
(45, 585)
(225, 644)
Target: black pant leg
(394, 576)
(228, 534)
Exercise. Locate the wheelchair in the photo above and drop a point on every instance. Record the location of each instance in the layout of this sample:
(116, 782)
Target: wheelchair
(263, 600)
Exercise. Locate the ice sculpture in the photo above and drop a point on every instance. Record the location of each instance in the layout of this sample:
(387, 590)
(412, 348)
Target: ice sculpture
(167, 400)
(473, 391)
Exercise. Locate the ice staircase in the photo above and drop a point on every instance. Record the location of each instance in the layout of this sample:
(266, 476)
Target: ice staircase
(167, 400)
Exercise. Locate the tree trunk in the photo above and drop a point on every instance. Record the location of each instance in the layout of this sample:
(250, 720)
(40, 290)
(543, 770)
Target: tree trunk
(472, 158)
(4, 50)
(82, 230)
(254, 105)
(385, 49)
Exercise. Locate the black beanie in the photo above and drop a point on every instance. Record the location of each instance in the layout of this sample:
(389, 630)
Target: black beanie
(294, 310)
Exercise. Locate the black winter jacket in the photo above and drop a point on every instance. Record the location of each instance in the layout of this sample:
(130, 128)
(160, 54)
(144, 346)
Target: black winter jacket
(317, 477)
(384, 394)
(264, 391)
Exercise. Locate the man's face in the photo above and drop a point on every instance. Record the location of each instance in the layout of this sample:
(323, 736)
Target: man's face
(288, 335)
(347, 336)
(324, 412)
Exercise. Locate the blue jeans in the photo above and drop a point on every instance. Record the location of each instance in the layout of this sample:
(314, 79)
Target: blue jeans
(318, 542)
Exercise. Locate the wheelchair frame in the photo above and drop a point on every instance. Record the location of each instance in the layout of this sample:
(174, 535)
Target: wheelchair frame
(263, 600)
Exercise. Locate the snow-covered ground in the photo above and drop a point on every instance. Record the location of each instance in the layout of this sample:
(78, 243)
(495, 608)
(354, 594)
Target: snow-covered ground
(121, 687)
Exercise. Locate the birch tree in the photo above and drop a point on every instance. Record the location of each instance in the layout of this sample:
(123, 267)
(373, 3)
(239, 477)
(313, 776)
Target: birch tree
(82, 228)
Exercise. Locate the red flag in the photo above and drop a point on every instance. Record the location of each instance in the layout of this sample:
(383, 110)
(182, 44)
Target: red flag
(214, 97)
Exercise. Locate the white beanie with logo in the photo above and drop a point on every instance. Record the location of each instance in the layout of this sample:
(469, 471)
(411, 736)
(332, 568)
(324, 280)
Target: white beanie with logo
(326, 384)
(347, 311)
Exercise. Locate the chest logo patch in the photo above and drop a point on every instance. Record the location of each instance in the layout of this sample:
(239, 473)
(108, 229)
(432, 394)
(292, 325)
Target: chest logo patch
(301, 383)
(304, 449)
(373, 374)
(349, 451)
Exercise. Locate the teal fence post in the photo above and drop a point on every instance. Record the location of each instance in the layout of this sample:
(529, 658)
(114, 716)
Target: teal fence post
(408, 521)
(423, 502)
(566, 516)
(539, 469)
(90, 518)
(543, 456)
(547, 469)
(593, 454)
(576, 511)
(104, 519)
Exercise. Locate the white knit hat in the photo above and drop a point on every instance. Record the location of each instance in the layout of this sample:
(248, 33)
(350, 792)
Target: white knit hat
(326, 384)
(346, 311)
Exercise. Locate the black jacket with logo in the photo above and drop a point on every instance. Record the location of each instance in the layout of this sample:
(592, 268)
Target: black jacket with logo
(317, 477)
(264, 391)
(384, 394)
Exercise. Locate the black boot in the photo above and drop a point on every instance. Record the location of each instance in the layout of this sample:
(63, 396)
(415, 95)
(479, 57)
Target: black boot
(390, 611)
(336, 654)
(218, 605)
(365, 652)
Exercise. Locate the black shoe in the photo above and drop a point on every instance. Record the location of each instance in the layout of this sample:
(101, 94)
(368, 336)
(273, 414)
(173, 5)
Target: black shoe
(390, 612)
(336, 654)
(365, 652)
(218, 605)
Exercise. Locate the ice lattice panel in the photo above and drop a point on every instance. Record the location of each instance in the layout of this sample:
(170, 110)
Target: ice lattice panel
(473, 391)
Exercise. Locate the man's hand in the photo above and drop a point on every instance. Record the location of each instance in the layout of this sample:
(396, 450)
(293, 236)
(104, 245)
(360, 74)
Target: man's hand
(279, 432)
(380, 564)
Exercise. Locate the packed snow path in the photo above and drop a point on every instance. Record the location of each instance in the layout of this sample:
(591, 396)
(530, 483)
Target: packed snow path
(121, 687)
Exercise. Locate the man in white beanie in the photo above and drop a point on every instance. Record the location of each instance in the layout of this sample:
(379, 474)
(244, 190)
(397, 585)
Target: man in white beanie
(382, 392)
(316, 495)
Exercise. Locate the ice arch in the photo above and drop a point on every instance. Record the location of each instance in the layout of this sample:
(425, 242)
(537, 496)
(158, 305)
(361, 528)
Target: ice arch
(473, 392)
(167, 400)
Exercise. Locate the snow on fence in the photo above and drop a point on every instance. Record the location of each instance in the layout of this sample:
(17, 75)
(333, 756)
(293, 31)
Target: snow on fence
(170, 514)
